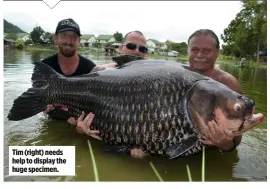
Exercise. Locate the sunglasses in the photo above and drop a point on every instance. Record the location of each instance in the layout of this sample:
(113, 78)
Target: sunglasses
(132, 46)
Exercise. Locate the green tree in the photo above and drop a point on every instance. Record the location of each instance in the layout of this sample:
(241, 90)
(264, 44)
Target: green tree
(118, 37)
(169, 45)
(36, 35)
(47, 37)
(179, 47)
(246, 34)
(28, 41)
(183, 48)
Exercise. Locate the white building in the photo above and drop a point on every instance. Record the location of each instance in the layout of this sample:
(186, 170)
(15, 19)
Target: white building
(87, 40)
(154, 46)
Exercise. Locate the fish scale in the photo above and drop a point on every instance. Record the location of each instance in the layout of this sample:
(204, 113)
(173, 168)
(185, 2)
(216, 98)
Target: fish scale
(110, 137)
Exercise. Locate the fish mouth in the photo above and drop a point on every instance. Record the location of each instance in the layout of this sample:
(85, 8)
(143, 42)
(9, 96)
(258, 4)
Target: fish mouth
(250, 122)
(254, 119)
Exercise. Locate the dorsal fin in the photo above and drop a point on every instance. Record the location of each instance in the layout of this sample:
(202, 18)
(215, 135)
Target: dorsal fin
(123, 59)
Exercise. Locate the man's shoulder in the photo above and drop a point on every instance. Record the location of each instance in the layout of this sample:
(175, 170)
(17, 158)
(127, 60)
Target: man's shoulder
(50, 59)
(85, 65)
(85, 60)
(225, 75)
(227, 79)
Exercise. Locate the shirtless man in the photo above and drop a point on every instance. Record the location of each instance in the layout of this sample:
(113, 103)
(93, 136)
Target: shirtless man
(203, 50)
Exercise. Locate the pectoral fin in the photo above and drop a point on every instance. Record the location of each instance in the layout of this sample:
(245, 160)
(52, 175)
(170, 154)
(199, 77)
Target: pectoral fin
(118, 149)
(182, 147)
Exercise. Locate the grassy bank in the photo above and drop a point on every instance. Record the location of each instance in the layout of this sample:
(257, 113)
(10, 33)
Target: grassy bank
(235, 61)
(221, 59)
(40, 48)
(49, 48)
(183, 59)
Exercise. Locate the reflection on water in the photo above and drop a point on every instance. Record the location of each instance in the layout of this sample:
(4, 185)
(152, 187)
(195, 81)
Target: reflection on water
(247, 163)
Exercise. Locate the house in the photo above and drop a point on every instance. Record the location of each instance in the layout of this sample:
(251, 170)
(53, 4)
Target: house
(173, 53)
(23, 36)
(9, 42)
(104, 39)
(87, 40)
(155, 46)
(116, 46)
(19, 36)
(163, 48)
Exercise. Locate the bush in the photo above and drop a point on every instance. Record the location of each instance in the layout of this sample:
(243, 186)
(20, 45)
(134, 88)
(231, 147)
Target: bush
(28, 41)
(19, 44)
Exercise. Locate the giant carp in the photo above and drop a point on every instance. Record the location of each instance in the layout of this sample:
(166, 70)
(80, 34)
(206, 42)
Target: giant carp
(154, 105)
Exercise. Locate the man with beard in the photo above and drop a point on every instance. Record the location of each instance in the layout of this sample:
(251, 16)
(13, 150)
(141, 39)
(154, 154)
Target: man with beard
(67, 61)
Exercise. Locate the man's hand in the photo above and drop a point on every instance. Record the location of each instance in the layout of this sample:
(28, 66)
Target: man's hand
(218, 136)
(72, 121)
(83, 125)
(103, 67)
(48, 109)
(137, 153)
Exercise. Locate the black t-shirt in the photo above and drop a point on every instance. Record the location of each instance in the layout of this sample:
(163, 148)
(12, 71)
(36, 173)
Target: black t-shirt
(84, 67)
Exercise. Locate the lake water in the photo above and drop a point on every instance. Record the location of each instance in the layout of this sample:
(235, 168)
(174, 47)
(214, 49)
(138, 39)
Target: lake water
(247, 163)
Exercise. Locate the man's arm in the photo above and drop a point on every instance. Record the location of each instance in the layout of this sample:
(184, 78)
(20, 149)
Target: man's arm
(103, 67)
(216, 135)
(231, 82)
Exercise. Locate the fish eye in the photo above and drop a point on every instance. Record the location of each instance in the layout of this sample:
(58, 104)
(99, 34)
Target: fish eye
(237, 107)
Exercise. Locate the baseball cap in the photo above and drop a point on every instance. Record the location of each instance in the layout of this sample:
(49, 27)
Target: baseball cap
(68, 25)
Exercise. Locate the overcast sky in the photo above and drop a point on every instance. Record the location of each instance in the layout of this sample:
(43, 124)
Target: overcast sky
(174, 20)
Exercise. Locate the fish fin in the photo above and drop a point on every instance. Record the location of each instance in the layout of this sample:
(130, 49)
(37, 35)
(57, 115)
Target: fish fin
(30, 102)
(126, 149)
(41, 75)
(123, 59)
(27, 105)
(181, 147)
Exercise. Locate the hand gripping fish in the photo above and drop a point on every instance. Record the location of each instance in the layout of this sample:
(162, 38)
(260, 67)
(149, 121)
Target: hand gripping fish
(156, 106)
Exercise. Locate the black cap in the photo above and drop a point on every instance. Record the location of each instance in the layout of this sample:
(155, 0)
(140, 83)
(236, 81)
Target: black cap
(68, 25)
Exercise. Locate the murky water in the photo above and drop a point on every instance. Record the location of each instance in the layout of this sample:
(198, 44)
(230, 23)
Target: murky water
(247, 163)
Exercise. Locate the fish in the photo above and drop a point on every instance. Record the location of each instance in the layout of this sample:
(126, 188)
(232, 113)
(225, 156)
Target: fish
(157, 106)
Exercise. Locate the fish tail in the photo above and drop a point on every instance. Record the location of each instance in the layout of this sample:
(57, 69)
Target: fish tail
(31, 102)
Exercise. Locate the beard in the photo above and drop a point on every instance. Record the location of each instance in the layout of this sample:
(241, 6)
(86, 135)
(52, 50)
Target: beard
(67, 52)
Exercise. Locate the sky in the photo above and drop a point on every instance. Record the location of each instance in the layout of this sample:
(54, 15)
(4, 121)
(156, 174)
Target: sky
(160, 20)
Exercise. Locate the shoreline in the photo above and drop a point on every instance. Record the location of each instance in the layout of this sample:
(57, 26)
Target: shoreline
(221, 59)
